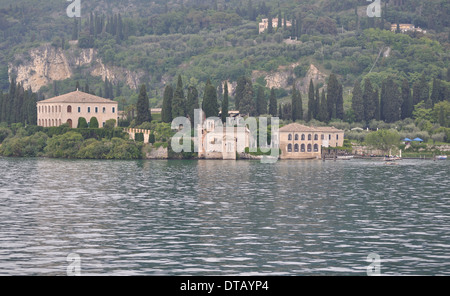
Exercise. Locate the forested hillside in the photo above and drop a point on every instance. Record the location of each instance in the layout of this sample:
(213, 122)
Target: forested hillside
(219, 40)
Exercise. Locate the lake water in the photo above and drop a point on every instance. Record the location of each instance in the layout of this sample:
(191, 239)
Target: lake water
(213, 217)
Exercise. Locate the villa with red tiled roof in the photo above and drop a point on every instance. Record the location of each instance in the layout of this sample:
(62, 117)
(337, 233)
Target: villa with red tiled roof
(68, 108)
(299, 141)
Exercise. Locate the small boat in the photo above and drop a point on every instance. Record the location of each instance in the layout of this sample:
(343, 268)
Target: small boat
(441, 157)
(344, 157)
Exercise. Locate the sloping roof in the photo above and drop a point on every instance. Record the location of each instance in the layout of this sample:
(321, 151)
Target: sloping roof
(296, 127)
(78, 97)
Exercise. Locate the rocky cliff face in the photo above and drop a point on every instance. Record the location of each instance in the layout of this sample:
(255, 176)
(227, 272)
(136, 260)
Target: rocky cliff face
(284, 77)
(46, 64)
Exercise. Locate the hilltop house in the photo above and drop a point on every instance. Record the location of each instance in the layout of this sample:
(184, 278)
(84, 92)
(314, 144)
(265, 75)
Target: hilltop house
(304, 142)
(264, 24)
(406, 27)
(68, 108)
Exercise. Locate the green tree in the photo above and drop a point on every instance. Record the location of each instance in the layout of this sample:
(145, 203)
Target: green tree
(311, 102)
(142, 107)
(261, 103)
(340, 103)
(166, 112)
(178, 101)
(421, 90)
(407, 103)
(436, 91)
(210, 105)
(93, 122)
(357, 102)
(272, 103)
(192, 103)
(383, 139)
(82, 123)
(225, 103)
(392, 101)
(332, 96)
(239, 92)
(297, 105)
(322, 115)
(247, 104)
(370, 99)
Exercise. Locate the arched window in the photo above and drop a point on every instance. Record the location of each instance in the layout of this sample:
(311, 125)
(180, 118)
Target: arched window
(316, 137)
(69, 122)
(309, 137)
(309, 147)
(337, 137)
(302, 148)
(60, 122)
(53, 122)
(45, 124)
(296, 137)
(69, 109)
(303, 137)
(60, 109)
(289, 148)
(290, 137)
(296, 148)
(39, 122)
(322, 136)
(316, 148)
(53, 109)
(45, 109)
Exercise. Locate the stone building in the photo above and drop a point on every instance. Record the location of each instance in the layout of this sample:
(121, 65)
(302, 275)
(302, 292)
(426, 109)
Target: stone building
(220, 142)
(304, 142)
(68, 108)
(264, 24)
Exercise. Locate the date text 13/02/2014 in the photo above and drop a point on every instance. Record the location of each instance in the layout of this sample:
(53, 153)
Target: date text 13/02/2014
(227, 286)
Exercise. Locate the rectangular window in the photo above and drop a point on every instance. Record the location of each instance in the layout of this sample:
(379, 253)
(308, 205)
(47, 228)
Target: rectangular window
(114, 110)
(322, 137)
(79, 109)
(337, 137)
(89, 109)
(96, 109)
(104, 110)
(103, 124)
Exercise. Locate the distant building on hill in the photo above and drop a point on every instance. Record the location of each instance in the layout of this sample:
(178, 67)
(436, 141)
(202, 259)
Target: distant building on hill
(264, 24)
(68, 108)
(406, 27)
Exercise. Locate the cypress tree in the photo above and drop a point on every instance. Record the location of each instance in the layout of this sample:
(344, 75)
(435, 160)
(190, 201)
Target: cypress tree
(239, 93)
(369, 102)
(261, 103)
(332, 96)
(376, 103)
(269, 25)
(166, 112)
(75, 29)
(420, 90)
(272, 103)
(311, 102)
(210, 105)
(357, 102)
(225, 103)
(178, 101)
(247, 105)
(142, 107)
(436, 91)
(280, 111)
(93, 122)
(323, 110)
(383, 98)
(392, 101)
(297, 105)
(279, 23)
(407, 104)
(340, 103)
(316, 104)
(192, 103)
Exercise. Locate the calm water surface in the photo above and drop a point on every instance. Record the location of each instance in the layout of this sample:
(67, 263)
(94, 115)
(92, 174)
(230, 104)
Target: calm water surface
(213, 217)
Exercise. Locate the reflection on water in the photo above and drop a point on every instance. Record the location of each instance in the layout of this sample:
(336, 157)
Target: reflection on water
(223, 217)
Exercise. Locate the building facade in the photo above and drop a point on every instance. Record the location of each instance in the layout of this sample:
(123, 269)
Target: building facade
(264, 24)
(220, 142)
(304, 142)
(68, 108)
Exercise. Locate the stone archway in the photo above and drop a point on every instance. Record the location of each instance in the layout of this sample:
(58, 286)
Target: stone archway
(69, 122)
